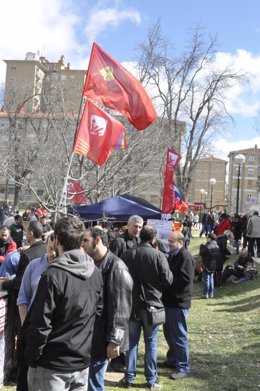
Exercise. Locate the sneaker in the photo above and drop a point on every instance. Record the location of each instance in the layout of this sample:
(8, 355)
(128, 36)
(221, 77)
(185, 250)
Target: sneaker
(165, 364)
(204, 297)
(125, 383)
(154, 386)
(178, 375)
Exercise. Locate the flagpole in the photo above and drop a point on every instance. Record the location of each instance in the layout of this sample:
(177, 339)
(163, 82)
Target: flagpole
(63, 199)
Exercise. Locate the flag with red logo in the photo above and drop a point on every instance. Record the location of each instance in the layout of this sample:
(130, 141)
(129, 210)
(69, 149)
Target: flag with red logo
(75, 194)
(169, 201)
(110, 84)
(97, 135)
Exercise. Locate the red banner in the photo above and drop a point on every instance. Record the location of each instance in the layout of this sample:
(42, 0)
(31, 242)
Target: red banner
(168, 204)
(98, 134)
(110, 84)
(73, 189)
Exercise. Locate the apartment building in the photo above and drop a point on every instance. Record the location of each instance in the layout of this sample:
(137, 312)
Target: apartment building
(246, 192)
(206, 192)
(36, 84)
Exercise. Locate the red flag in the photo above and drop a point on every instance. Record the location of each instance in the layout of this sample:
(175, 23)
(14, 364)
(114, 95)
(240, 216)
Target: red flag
(181, 206)
(74, 188)
(98, 134)
(109, 83)
(168, 204)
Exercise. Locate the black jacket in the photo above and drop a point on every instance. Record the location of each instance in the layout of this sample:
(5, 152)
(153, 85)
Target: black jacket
(36, 250)
(210, 254)
(61, 319)
(149, 268)
(178, 295)
(122, 243)
(112, 325)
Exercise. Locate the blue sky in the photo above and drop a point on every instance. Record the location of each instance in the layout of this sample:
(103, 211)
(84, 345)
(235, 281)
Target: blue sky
(68, 27)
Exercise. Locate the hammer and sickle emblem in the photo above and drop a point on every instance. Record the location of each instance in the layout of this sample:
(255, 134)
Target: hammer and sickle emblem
(107, 73)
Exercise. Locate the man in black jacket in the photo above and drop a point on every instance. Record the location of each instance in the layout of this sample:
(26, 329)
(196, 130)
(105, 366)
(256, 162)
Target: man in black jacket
(61, 318)
(177, 301)
(111, 329)
(130, 237)
(150, 272)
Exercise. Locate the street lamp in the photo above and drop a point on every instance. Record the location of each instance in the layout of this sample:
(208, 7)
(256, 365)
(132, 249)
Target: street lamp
(212, 182)
(240, 160)
(202, 191)
(205, 198)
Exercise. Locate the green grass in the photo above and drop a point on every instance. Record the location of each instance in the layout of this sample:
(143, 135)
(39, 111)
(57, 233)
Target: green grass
(224, 340)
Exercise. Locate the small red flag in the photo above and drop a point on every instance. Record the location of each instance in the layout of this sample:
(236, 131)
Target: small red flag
(110, 84)
(74, 188)
(98, 134)
(169, 201)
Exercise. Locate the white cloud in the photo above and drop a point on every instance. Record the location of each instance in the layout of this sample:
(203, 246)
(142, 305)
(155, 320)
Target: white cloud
(55, 27)
(222, 146)
(101, 20)
(245, 98)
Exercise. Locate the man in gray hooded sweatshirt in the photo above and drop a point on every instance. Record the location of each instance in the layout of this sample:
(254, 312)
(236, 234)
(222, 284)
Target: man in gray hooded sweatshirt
(61, 318)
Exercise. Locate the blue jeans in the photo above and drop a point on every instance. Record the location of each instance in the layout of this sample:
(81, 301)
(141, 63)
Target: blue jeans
(43, 379)
(208, 284)
(97, 370)
(150, 356)
(176, 335)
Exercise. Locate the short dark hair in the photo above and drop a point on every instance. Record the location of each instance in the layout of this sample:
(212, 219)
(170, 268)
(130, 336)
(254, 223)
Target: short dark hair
(147, 233)
(95, 231)
(212, 236)
(36, 228)
(69, 232)
(17, 217)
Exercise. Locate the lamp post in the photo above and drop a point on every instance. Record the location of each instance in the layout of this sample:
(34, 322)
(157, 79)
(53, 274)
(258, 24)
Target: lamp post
(212, 182)
(240, 160)
(202, 191)
(205, 198)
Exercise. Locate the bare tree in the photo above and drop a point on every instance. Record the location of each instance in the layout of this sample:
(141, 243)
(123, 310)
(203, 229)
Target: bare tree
(188, 87)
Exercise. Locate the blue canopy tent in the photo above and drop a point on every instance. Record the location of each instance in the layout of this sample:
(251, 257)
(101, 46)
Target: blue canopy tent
(119, 208)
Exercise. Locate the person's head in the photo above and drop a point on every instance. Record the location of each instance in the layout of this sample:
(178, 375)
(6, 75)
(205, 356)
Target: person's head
(34, 231)
(111, 235)
(134, 225)
(68, 234)
(175, 240)
(255, 213)
(148, 234)
(95, 242)
(4, 233)
(211, 236)
(43, 219)
(243, 253)
(17, 219)
(51, 253)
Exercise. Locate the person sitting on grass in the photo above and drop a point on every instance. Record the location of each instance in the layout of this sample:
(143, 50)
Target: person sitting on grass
(240, 266)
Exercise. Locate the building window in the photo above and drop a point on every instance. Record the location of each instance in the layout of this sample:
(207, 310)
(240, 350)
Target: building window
(249, 196)
(40, 192)
(63, 77)
(250, 183)
(13, 69)
(251, 159)
(250, 172)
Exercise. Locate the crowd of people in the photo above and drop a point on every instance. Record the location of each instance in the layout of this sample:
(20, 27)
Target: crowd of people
(81, 296)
